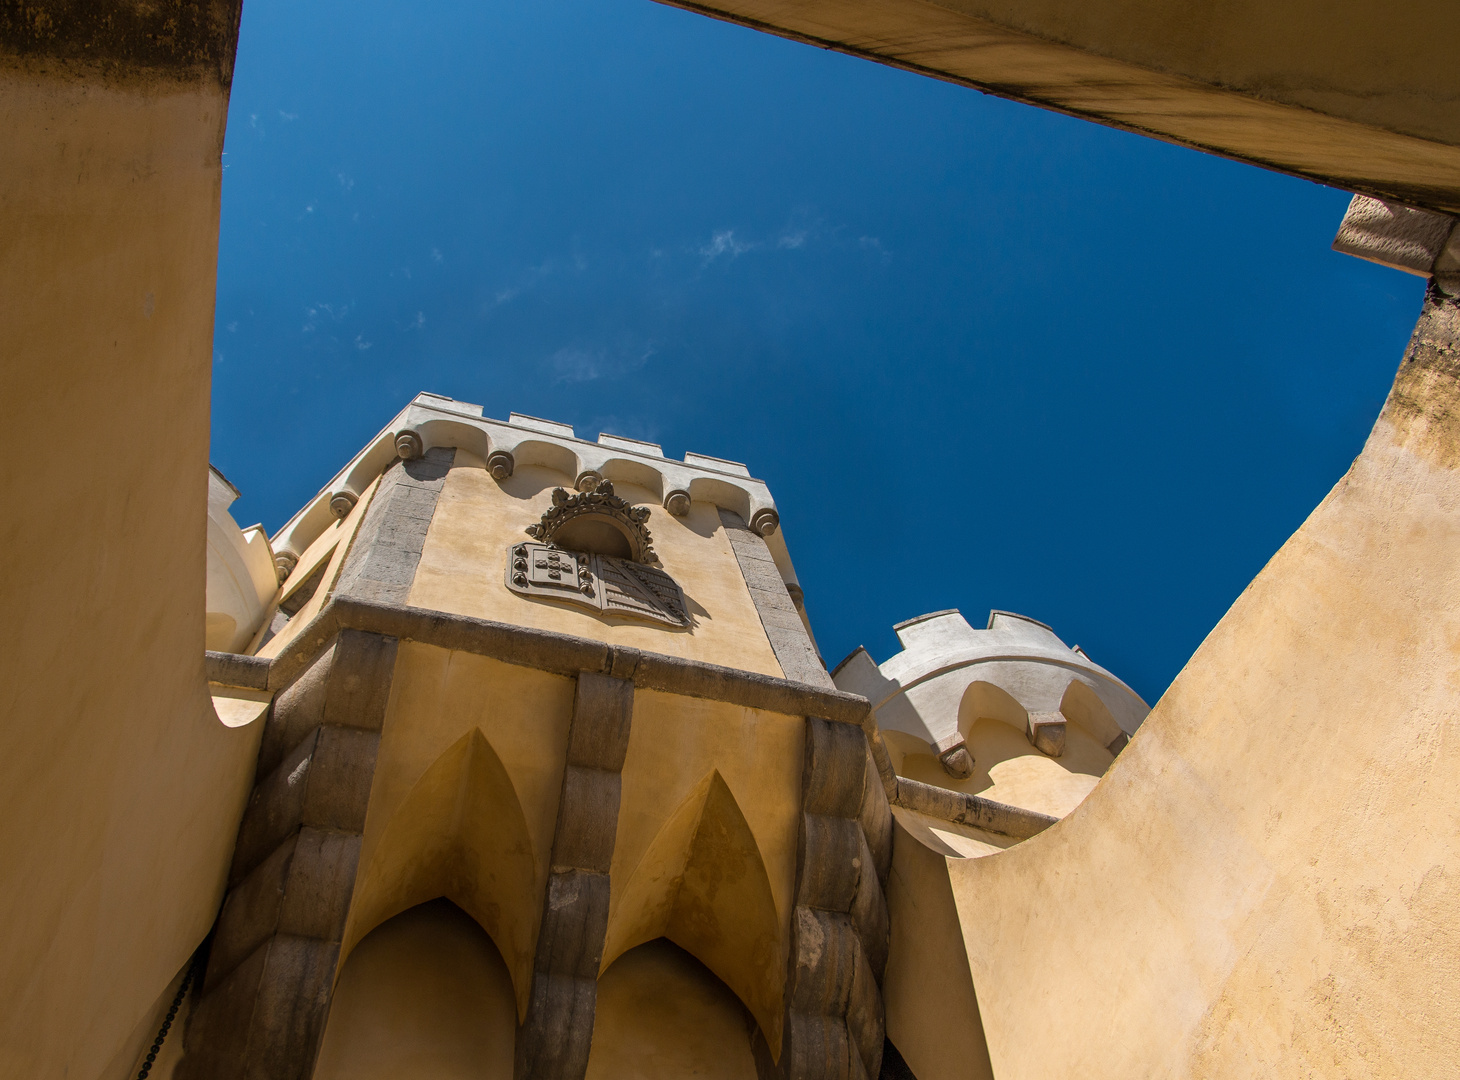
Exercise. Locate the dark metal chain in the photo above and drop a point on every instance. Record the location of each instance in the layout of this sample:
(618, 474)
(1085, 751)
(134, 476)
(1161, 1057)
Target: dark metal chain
(167, 1023)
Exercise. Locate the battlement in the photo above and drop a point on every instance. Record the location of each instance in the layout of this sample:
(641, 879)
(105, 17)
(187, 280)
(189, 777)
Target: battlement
(433, 420)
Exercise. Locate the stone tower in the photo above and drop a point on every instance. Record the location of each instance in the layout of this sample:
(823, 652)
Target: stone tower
(551, 779)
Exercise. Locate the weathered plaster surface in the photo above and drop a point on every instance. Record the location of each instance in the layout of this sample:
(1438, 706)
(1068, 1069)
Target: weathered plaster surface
(1264, 881)
(462, 569)
(1354, 94)
(119, 784)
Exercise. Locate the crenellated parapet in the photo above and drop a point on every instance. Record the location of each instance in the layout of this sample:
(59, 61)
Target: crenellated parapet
(504, 446)
(952, 707)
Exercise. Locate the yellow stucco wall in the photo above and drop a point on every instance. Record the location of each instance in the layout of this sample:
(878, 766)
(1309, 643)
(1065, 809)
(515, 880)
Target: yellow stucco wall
(1265, 881)
(663, 1016)
(1348, 92)
(662, 857)
(463, 569)
(424, 997)
(928, 996)
(121, 791)
(452, 816)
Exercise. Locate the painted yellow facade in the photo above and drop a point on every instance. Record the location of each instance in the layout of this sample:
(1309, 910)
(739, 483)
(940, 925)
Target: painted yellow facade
(435, 826)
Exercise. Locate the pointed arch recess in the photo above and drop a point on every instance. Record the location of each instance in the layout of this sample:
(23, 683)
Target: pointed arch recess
(985, 700)
(703, 885)
(460, 833)
(1082, 705)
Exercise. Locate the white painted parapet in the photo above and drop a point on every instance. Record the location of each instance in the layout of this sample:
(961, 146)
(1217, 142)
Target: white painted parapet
(241, 576)
(947, 668)
(434, 421)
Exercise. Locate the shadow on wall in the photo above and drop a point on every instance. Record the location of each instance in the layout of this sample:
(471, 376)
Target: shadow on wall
(424, 994)
(703, 885)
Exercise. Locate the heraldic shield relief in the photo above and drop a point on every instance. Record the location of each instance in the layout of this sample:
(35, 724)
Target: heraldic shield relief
(593, 549)
(601, 582)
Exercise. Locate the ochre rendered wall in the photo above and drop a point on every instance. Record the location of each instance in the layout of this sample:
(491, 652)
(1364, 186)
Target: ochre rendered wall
(120, 792)
(1357, 94)
(932, 1011)
(1265, 883)
(424, 997)
(463, 569)
(664, 1016)
(452, 816)
(734, 897)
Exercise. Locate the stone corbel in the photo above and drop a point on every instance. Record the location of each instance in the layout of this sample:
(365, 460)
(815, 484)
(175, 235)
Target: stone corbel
(1047, 732)
(500, 464)
(953, 755)
(588, 480)
(677, 502)
(409, 445)
(284, 563)
(764, 521)
(343, 501)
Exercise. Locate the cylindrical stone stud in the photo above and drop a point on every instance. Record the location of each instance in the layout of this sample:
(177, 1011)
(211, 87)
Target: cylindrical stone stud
(284, 564)
(408, 445)
(764, 521)
(342, 502)
(677, 502)
(500, 464)
(588, 480)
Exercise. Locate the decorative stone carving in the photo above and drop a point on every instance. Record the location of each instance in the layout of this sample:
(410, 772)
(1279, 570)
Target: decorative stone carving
(572, 517)
(500, 464)
(588, 481)
(342, 502)
(1047, 732)
(764, 521)
(953, 755)
(797, 594)
(284, 564)
(677, 502)
(408, 445)
(598, 582)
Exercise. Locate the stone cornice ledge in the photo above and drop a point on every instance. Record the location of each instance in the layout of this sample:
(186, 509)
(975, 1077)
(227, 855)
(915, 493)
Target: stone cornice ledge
(972, 810)
(565, 654)
(561, 654)
(235, 669)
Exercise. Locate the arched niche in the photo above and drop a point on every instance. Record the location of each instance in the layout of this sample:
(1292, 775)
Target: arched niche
(703, 885)
(424, 996)
(548, 455)
(1006, 766)
(708, 489)
(663, 1015)
(1081, 705)
(623, 471)
(460, 833)
(985, 700)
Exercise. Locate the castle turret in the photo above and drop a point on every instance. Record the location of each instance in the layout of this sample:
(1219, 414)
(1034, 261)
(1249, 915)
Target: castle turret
(553, 781)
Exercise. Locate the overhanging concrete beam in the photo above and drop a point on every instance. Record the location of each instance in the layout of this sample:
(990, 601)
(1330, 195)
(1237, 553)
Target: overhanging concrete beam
(1362, 96)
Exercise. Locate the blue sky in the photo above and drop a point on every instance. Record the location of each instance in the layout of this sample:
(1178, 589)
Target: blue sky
(985, 356)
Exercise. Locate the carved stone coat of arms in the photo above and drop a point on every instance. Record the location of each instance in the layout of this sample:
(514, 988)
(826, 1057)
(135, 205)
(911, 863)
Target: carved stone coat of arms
(629, 587)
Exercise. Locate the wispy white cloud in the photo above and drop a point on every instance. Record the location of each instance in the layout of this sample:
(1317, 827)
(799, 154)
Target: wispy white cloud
(361, 343)
(526, 281)
(436, 255)
(319, 314)
(723, 242)
(576, 364)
